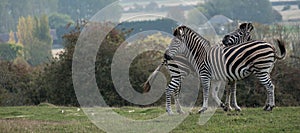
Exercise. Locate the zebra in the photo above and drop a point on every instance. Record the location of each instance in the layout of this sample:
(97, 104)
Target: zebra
(218, 64)
(180, 68)
(242, 34)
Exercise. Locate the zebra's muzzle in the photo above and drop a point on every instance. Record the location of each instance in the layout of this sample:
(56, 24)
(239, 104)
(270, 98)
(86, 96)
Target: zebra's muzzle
(225, 40)
(167, 57)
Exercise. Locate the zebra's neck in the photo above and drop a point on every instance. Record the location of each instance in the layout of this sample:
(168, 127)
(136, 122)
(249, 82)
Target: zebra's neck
(196, 48)
(196, 56)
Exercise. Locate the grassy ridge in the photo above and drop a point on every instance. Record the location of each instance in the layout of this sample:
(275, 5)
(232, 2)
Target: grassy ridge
(71, 119)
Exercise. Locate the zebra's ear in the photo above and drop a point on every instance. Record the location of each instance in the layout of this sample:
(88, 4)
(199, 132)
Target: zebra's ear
(178, 31)
(175, 33)
(251, 27)
(243, 26)
(181, 31)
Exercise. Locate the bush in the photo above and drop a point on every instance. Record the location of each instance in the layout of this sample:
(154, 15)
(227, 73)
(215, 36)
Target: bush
(16, 84)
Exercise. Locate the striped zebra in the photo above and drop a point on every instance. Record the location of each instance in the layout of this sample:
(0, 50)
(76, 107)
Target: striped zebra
(180, 68)
(241, 35)
(218, 64)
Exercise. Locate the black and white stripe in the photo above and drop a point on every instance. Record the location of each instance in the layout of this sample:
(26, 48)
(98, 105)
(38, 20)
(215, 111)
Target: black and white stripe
(221, 64)
(240, 35)
(180, 68)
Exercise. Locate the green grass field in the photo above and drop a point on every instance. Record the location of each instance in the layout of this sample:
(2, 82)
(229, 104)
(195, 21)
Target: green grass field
(49, 118)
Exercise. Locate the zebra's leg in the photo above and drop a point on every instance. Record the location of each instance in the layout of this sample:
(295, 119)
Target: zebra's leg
(168, 101)
(227, 100)
(173, 85)
(271, 97)
(265, 80)
(215, 86)
(206, 87)
(233, 99)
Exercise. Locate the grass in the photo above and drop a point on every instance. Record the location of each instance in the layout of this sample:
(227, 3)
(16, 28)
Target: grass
(282, 119)
(50, 118)
(44, 119)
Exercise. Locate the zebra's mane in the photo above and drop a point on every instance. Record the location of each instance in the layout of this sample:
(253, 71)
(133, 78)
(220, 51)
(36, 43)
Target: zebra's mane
(191, 32)
(242, 28)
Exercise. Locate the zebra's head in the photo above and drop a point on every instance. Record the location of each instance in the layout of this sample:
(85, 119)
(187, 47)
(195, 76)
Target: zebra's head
(173, 48)
(242, 34)
(176, 43)
(184, 41)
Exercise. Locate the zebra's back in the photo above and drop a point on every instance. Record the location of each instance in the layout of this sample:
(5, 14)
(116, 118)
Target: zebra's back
(239, 61)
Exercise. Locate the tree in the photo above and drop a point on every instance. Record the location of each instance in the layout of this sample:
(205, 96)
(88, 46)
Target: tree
(58, 20)
(43, 30)
(34, 35)
(25, 30)
(57, 77)
(14, 45)
(12, 38)
(55, 82)
(245, 10)
(9, 52)
(15, 81)
(12, 10)
(146, 62)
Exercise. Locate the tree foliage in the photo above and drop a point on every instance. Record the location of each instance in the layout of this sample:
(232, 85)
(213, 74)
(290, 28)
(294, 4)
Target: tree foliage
(9, 52)
(246, 10)
(60, 22)
(15, 84)
(12, 38)
(56, 80)
(34, 35)
(12, 10)
(165, 25)
(57, 77)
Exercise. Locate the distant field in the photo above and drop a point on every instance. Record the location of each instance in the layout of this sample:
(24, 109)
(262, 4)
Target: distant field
(49, 118)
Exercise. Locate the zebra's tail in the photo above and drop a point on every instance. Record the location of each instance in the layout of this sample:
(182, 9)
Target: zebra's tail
(282, 50)
(151, 78)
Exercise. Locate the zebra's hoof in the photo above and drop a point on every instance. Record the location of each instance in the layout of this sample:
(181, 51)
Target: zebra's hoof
(170, 112)
(202, 110)
(269, 107)
(222, 105)
(227, 108)
(238, 109)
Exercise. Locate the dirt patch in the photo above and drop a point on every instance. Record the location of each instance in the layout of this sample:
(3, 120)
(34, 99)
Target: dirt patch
(25, 125)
